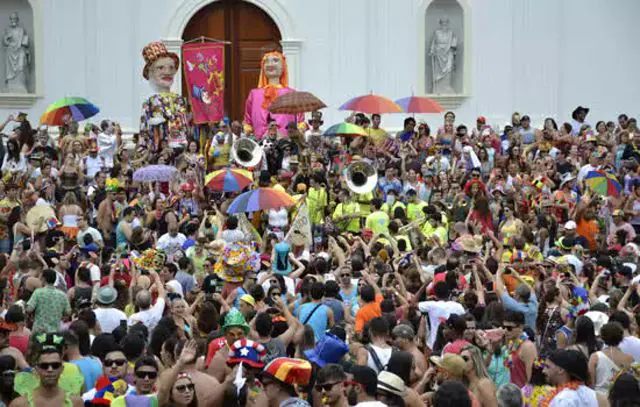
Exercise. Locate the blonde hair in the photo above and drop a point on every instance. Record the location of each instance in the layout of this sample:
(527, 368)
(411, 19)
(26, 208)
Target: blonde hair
(478, 361)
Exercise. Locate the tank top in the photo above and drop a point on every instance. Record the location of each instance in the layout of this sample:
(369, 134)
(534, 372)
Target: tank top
(528, 136)
(518, 370)
(318, 321)
(384, 354)
(606, 369)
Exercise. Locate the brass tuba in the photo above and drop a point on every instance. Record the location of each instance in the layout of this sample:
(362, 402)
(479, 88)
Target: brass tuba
(246, 152)
(362, 177)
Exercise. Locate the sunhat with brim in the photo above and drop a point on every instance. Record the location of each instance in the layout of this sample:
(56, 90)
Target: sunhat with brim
(107, 295)
(234, 319)
(329, 350)
(391, 383)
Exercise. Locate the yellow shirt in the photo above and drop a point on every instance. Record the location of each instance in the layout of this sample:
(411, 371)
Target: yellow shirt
(378, 222)
(414, 210)
(390, 210)
(316, 202)
(344, 209)
(219, 154)
(365, 203)
(377, 136)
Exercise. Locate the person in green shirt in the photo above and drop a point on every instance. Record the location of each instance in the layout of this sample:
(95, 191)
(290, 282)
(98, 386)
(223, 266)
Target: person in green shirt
(317, 200)
(392, 203)
(414, 205)
(377, 221)
(346, 216)
(49, 304)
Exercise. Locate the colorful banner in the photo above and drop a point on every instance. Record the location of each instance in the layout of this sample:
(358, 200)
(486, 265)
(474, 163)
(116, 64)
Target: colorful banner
(204, 75)
(300, 230)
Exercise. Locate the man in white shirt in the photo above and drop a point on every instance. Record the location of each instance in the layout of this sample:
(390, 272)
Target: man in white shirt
(107, 142)
(630, 344)
(563, 367)
(171, 241)
(149, 315)
(85, 229)
(439, 310)
(93, 163)
(108, 316)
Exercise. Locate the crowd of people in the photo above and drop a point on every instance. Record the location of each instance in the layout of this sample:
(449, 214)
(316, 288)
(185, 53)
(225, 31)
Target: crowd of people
(484, 267)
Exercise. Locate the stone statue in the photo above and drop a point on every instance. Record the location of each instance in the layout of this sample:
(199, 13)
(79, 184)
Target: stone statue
(164, 114)
(16, 44)
(443, 52)
(272, 83)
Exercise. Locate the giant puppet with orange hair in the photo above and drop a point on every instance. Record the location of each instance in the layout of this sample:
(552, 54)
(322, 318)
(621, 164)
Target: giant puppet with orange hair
(272, 83)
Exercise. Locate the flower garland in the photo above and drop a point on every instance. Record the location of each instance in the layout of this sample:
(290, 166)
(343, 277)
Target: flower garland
(572, 385)
(512, 347)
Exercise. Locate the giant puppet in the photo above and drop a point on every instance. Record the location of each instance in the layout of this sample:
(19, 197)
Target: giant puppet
(273, 82)
(164, 114)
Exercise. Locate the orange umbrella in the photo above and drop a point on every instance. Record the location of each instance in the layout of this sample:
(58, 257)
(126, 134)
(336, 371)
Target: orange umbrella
(371, 104)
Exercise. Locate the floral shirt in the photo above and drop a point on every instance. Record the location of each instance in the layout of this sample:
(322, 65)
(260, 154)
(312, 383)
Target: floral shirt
(49, 305)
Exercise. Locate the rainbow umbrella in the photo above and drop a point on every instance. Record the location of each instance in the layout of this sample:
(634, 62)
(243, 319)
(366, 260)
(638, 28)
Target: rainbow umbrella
(345, 129)
(371, 104)
(603, 183)
(75, 108)
(419, 104)
(260, 199)
(228, 180)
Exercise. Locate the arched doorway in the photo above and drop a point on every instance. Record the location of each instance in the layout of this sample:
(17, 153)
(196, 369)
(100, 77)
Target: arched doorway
(250, 30)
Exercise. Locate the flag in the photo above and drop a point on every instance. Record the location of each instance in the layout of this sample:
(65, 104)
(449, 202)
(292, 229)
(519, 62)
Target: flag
(301, 227)
(247, 228)
(203, 65)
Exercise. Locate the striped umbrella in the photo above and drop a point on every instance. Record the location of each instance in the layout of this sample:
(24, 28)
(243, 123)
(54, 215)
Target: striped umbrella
(260, 199)
(75, 108)
(345, 129)
(419, 104)
(603, 183)
(371, 104)
(228, 180)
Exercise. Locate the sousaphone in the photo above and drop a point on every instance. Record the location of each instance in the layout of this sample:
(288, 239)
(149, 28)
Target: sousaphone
(362, 177)
(246, 152)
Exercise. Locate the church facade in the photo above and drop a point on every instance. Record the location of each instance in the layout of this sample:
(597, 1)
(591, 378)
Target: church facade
(491, 57)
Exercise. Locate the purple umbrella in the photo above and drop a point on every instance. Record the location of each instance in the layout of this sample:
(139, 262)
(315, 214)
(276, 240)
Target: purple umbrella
(155, 173)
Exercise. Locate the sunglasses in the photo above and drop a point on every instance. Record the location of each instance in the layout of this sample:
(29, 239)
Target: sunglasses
(325, 387)
(115, 362)
(8, 373)
(275, 294)
(140, 374)
(185, 387)
(52, 365)
(346, 276)
(509, 327)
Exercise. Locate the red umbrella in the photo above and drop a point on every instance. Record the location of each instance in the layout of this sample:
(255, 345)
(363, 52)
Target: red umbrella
(419, 104)
(371, 104)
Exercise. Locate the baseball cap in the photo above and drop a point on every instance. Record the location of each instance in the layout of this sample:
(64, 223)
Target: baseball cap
(570, 225)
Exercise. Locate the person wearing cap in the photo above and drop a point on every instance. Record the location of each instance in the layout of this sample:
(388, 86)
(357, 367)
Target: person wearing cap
(481, 123)
(453, 332)
(403, 336)
(279, 379)
(49, 305)
(526, 131)
(568, 370)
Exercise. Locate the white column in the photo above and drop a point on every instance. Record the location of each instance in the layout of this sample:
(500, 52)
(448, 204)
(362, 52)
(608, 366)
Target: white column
(175, 45)
(291, 49)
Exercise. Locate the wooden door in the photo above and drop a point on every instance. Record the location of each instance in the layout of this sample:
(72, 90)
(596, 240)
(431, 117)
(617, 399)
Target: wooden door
(251, 33)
